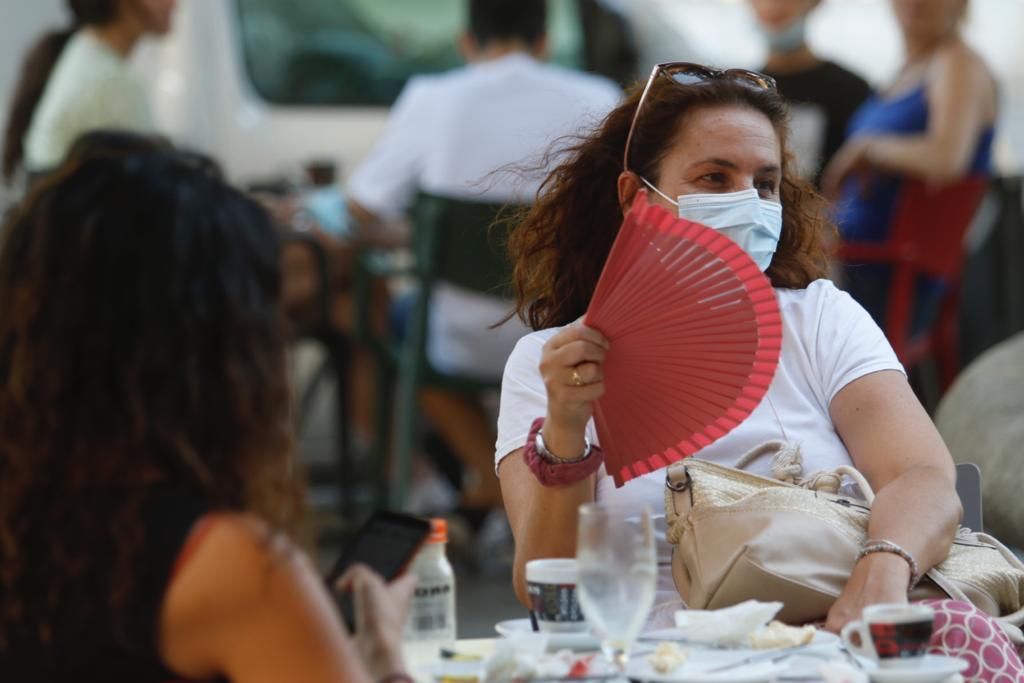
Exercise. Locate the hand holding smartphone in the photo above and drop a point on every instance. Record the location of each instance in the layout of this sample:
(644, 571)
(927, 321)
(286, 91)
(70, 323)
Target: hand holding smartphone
(387, 544)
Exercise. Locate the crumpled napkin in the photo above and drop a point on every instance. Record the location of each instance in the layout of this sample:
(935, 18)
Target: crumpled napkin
(727, 626)
(524, 656)
(516, 656)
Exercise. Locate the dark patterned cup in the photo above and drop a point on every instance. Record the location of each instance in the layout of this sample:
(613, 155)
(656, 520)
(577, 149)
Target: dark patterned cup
(552, 588)
(894, 635)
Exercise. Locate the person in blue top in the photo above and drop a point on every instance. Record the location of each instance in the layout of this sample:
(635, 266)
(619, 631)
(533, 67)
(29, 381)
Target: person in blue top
(935, 122)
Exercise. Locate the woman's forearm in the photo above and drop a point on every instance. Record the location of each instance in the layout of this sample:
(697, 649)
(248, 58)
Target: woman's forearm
(543, 518)
(920, 512)
(921, 156)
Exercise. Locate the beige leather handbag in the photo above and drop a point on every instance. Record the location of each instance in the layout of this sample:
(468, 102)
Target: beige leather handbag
(741, 536)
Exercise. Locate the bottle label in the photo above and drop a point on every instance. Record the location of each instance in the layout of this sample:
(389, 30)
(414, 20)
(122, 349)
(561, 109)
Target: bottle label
(432, 613)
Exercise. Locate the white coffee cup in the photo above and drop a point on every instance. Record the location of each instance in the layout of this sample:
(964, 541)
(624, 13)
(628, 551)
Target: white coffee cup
(551, 584)
(896, 635)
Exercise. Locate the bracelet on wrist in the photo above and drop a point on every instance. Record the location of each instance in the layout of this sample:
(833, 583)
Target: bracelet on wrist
(549, 469)
(542, 451)
(883, 546)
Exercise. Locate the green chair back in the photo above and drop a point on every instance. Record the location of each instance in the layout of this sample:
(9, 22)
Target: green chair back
(463, 243)
(454, 241)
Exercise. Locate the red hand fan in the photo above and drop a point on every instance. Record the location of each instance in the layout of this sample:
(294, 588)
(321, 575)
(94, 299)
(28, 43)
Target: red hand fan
(695, 338)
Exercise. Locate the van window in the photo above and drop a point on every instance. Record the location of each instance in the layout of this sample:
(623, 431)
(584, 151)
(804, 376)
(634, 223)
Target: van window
(361, 52)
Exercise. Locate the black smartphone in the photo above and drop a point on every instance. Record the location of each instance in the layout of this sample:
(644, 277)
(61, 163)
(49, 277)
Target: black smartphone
(386, 543)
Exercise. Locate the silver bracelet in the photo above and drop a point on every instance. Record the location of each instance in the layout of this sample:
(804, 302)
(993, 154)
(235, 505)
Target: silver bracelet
(883, 546)
(543, 452)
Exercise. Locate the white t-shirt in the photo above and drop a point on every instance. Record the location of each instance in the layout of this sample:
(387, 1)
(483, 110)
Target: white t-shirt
(91, 87)
(460, 134)
(828, 341)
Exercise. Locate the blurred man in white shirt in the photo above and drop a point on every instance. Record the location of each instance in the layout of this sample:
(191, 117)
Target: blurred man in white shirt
(452, 134)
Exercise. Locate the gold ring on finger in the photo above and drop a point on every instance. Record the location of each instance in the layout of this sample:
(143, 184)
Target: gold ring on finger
(576, 379)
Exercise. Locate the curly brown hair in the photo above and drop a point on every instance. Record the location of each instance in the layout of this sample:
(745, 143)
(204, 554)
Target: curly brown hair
(562, 242)
(140, 346)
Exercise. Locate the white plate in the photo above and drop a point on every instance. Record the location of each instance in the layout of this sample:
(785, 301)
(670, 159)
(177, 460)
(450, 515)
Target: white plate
(556, 641)
(674, 635)
(704, 656)
(455, 670)
(701, 660)
(932, 669)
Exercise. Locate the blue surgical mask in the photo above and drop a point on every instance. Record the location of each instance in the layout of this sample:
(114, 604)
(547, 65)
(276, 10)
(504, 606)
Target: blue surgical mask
(788, 39)
(753, 223)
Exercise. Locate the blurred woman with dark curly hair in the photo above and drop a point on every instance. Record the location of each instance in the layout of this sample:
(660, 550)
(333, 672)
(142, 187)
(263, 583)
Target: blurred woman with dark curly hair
(148, 494)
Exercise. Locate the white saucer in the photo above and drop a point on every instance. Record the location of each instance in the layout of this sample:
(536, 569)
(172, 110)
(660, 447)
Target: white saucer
(932, 669)
(451, 670)
(700, 661)
(675, 635)
(584, 640)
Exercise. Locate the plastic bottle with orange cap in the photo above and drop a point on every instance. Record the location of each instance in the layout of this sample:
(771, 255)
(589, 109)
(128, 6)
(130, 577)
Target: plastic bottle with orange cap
(432, 612)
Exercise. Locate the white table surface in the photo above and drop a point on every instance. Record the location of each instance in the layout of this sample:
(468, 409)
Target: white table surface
(419, 658)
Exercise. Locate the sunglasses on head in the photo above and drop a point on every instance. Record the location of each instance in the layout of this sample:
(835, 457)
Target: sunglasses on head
(685, 74)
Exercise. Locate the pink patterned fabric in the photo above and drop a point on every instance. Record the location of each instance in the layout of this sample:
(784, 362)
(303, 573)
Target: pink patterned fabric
(962, 630)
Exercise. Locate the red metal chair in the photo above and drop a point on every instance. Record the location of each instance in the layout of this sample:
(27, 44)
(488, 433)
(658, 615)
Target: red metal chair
(927, 237)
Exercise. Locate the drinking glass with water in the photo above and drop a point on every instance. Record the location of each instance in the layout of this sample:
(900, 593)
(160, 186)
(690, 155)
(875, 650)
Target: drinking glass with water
(617, 576)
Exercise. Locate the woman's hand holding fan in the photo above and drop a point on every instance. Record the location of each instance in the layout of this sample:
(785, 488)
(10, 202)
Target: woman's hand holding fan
(695, 336)
(571, 365)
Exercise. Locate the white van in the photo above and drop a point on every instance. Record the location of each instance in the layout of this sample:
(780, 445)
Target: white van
(267, 85)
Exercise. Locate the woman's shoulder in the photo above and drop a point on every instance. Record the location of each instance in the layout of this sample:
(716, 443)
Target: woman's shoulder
(817, 292)
(956, 57)
(819, 303)
(233, 550)
(540, 337)
(235, 567)
(530, 345)
(523, 362)
(86, 61)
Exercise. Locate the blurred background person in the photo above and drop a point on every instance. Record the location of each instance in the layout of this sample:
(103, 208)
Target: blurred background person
(448, 135)
(822, 95)
(149, 498)
(78, 79)
(935, 122)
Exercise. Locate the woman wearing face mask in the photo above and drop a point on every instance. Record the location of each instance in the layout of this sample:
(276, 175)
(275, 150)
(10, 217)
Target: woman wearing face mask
(936, 123)
(78, 80)
(822, 94)
(712, 147)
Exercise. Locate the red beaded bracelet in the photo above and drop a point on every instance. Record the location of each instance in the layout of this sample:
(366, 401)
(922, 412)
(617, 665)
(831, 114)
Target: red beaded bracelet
(551, 471)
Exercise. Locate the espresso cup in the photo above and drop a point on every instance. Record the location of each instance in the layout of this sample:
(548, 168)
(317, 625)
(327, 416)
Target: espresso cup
(895, 635)
(551, 585)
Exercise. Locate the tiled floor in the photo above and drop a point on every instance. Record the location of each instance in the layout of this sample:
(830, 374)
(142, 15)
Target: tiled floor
(483, 598)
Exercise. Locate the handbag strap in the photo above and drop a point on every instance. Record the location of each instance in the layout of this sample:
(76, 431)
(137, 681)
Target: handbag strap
(788, 466)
